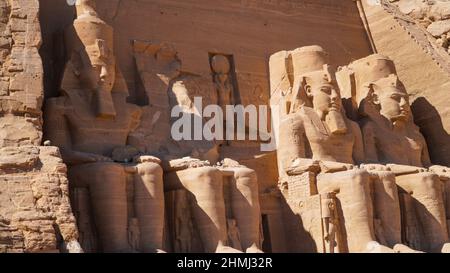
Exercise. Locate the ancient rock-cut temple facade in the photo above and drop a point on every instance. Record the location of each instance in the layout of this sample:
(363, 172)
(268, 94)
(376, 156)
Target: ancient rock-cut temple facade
(353, 158)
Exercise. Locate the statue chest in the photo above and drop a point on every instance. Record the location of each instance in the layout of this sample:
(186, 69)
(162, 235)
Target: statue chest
(100, 135)
(398, 149)
(328, 146)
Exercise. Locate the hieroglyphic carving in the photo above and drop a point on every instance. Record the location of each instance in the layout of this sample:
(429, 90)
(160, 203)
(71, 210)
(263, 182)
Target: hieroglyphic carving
(223, 82)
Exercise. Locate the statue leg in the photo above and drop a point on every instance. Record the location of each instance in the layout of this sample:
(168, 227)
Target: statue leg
(387, 206)
(149, 205)
(206, 187)
(245, 206)
(426, 189)
(107, 188)
(353, 193)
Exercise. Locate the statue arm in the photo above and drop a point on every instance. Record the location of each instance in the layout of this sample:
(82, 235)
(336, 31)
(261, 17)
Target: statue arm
(58, 132)
(56, 127)
(291, 151)
(425, 156)
(404, 169)
(358, 146)
(370, 149)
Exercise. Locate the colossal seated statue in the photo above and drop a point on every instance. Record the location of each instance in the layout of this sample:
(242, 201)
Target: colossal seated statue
(316, 137)
(391, 138)
(188, 164)
(90, 122)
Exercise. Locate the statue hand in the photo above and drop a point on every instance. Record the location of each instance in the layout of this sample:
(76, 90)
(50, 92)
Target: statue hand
(146, 158)
(75, 157)
(302, 165)
(405, 169)
(375, 167)
(442, 171)
(332, 167)
(184, 163)
(99, 158)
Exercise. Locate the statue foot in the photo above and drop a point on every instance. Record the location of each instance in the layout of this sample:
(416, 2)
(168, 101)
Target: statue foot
(400, 248)
(375, 247)
(446, 248)
(253, 249)
(160, 251)
(226, 249)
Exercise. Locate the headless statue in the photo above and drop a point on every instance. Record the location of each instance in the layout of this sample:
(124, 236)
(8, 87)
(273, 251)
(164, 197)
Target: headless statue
(89, 121)
(159, 64)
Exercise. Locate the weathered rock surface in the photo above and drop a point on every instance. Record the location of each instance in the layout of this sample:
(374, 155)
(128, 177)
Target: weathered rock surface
(21, 73)
(35, 213)
(406, 42)
(439, 27)
(432, 15)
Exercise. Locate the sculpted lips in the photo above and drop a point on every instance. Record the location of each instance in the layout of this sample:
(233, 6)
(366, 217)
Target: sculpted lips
(335, 106)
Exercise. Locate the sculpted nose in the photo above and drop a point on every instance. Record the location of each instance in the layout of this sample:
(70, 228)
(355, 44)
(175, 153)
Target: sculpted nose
(334, 95)
(103, 73)
(403, 102)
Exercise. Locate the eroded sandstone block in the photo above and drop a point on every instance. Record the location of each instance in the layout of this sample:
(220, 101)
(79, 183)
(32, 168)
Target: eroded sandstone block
(35, 213)
(21, 94)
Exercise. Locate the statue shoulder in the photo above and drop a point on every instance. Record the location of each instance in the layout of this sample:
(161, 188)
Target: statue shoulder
(416, 132)
(367, 125)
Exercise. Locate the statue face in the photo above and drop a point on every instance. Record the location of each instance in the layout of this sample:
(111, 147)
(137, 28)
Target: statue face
(97, 72)
(394, 104)
(393, 100)
(324, 95)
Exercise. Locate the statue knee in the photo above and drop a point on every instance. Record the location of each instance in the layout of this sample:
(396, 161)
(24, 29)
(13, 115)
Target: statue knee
(427, 183)
(246, 176)
(387, 178)
(108, 172)
(359, 178)
(205, 178)
(150, 168)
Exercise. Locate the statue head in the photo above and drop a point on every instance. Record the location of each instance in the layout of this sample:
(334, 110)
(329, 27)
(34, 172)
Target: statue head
(321, 91)
(92, 56)
(389, 96)
(379, 90)
(315, 86)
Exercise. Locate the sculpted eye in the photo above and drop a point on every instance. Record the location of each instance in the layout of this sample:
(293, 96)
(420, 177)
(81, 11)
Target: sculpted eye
(326, 90)
(396, 97)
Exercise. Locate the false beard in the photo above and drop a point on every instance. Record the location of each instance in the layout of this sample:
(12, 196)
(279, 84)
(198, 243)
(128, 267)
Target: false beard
(336, 122)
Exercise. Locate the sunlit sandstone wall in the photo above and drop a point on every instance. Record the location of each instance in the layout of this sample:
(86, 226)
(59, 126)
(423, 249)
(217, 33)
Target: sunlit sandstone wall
(35, 214)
